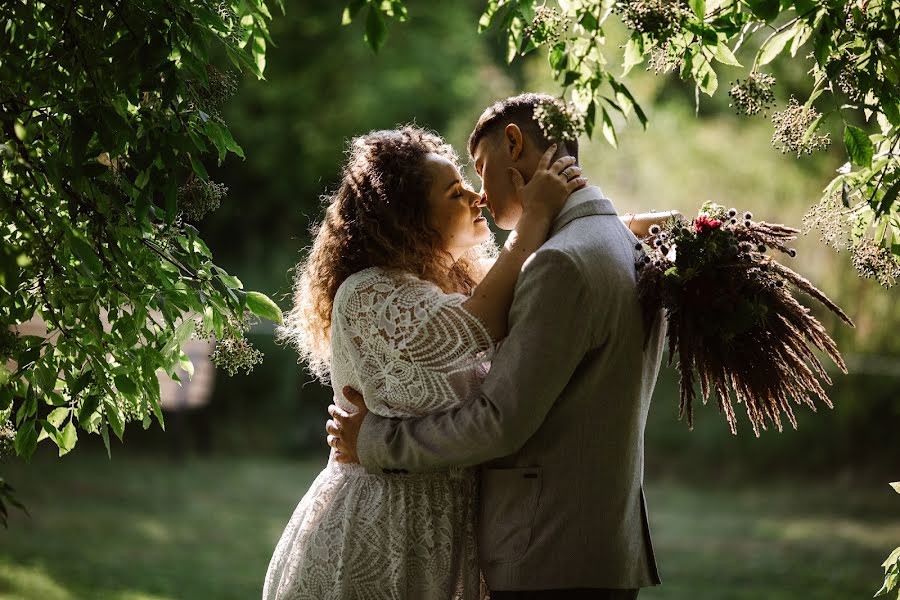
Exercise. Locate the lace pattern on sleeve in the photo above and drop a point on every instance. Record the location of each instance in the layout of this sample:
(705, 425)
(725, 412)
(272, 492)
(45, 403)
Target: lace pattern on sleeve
(404, 340)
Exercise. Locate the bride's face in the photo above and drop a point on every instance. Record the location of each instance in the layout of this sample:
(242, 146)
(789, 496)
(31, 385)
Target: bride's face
(454, 210)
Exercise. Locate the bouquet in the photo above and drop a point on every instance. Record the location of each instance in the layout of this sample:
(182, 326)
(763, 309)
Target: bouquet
(732, 318)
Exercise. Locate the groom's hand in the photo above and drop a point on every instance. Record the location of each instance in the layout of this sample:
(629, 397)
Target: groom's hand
(343, 427)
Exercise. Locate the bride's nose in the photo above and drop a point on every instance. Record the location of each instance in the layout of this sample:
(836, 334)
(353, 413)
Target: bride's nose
(480, 199)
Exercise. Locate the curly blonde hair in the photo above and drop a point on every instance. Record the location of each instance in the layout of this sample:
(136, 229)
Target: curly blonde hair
(378, 217)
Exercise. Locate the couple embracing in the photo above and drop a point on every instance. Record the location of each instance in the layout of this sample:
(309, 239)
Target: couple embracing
(489, 426)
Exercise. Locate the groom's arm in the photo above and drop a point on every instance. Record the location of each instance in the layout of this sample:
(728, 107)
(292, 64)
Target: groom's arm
(547, 339)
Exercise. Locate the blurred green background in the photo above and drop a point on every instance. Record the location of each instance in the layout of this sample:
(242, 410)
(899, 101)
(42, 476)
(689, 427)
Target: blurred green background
(195, 512)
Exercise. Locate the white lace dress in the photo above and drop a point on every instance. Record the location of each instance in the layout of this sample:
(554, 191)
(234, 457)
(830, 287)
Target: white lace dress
(410, 349)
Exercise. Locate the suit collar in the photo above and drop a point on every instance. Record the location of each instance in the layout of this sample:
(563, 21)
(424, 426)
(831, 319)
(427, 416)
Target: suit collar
(582, 203)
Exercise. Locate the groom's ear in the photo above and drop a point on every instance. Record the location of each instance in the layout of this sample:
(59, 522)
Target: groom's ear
(513, 141)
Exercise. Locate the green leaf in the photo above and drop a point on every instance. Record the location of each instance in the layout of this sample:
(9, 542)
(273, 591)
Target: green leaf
(198, 168)
(634, 53)
(104, 433)
(258, 49)
(609, 132)
(68, 438)
(376, 30)
(88, 408)
(589, 21)
(812, 128)
(766, 10)
(262, 306)
(801, 38)
(182, 333)
(558, 57)
(57, 416)
(114, 417)
(724, 55)
(570, 78)
(26, 440)
(699, 7)
(894, 556)
(350, 11)
(590, 119)
(231, 281)
(706, 78)
(86, 254)
(773, 46)
(890, 196)
(126, 385)
(859, 146)
(242, 60)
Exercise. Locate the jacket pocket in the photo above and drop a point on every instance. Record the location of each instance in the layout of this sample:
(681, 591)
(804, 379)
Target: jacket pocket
(509, 500)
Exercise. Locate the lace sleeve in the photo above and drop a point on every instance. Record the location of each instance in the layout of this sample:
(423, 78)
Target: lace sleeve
(405, 337)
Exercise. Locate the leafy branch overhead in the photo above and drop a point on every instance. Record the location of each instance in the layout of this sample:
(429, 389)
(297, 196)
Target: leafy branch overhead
(109, 112)
(850, 49)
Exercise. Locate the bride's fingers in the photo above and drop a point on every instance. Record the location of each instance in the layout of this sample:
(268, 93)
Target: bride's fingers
(576, 183)
(562, 163)
(333, 428)
(547, 157)
(354, 397)
(337, 412)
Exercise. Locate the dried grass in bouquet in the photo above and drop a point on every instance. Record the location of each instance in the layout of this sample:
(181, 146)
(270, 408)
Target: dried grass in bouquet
(732, 319)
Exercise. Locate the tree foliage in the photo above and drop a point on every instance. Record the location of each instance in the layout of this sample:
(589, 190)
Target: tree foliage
(853, 61)
(108, 111)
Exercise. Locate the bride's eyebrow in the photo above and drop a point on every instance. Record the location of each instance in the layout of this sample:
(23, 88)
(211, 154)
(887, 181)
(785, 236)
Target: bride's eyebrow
(452, 183)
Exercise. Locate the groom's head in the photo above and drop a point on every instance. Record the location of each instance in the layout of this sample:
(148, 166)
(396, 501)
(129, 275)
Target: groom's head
(508, 135)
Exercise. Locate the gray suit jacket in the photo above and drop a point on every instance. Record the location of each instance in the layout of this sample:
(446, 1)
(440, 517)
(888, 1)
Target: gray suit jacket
(560, 417)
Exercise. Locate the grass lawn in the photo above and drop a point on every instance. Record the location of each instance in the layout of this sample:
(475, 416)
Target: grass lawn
(139, 528)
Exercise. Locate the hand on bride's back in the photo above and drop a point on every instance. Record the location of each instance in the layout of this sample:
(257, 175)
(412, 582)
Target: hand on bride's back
(546, 193)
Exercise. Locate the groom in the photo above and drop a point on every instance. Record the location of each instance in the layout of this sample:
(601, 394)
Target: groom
(559, 424)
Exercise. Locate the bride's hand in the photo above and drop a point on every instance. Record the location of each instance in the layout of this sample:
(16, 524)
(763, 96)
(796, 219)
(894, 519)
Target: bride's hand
(550, 186)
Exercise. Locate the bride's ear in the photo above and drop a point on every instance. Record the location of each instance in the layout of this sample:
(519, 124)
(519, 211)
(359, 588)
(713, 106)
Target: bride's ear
(513, 141)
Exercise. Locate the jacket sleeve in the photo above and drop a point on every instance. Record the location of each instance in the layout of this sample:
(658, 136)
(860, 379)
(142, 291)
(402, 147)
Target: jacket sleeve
(546, 342)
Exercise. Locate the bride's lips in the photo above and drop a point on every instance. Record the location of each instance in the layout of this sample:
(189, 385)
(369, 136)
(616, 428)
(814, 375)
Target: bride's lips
(480, 219)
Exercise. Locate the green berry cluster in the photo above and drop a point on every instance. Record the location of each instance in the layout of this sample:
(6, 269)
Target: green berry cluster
(558, 120)
(660, 19)
(832, 220)
(7, 439)
(874, 260)
(754, 94)
(233, 352)
(547, 25)
(791, 125)
(197, 197)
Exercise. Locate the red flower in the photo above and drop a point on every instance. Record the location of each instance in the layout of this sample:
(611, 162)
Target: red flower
(704, 223)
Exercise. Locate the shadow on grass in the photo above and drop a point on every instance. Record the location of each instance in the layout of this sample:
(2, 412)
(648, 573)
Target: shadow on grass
(131, 528)
(141, 528)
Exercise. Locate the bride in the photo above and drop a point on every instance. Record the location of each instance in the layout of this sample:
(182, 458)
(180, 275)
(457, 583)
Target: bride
(396, 300)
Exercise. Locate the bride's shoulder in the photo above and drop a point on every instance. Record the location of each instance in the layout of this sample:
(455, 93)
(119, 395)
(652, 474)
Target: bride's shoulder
(376, 284)
(372, 280)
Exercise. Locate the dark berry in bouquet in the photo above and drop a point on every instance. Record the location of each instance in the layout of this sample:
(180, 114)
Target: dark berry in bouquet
(732, 318)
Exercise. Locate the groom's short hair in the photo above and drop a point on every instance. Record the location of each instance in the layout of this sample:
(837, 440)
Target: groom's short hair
(519, 110)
